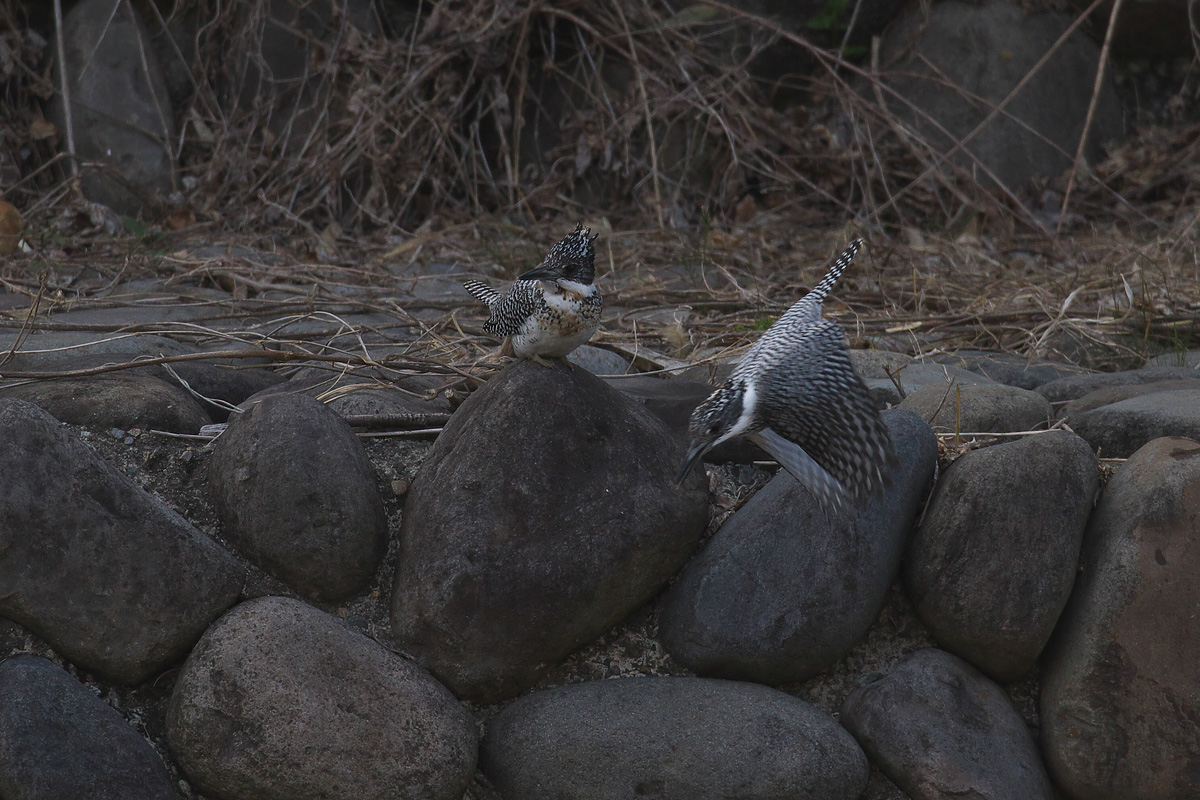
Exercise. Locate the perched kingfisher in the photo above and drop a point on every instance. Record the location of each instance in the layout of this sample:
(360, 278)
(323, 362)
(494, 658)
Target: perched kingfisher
(549, 310)
(796, 395)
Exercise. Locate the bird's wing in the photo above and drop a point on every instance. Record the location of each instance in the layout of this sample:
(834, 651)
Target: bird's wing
(806, 310)
(482, 292)
(811, 395)
(791, 456)
(510, 310)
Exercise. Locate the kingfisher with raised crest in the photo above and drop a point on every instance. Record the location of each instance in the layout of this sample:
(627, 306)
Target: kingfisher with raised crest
(551, 309)
(796, 395)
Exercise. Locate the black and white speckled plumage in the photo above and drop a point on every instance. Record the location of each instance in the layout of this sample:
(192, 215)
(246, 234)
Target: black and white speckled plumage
(550, 310)
(796, 394)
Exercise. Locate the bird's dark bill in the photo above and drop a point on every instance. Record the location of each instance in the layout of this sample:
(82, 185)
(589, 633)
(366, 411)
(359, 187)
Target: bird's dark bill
(692, 457)
(542, 273)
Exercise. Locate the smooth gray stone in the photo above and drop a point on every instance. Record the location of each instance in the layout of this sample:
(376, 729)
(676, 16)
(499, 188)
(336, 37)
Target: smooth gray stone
(280, 701)
(226, 380)
(785, 588)
(979, 408)
(877, 363)
(59, 740)
(545, 513)
(669, 738)
(1120, 687)
(58, 350)
(986, 49)
(916, 376)
(1186, 358)
(297, 496)
(1007, 368)
(942, 731)
(1119, 429)
(598, 361)
(121, 115)
(991, 566)
(673, 400)
(1075, 386)
(1115, 394)
(115, 400)
(107, 574)
(362, 394)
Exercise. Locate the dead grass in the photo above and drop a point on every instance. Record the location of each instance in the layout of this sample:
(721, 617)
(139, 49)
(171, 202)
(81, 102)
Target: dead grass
(430, 146)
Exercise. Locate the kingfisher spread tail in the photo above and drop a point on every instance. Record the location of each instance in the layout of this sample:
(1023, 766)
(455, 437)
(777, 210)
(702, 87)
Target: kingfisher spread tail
(549, 310)
(796, 395)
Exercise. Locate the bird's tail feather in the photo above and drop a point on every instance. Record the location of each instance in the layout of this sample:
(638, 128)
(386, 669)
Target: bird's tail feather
(822, 289)
(482, 292)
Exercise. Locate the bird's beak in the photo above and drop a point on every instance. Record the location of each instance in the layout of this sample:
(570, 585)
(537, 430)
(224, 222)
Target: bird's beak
(698, 449)
(542, 273)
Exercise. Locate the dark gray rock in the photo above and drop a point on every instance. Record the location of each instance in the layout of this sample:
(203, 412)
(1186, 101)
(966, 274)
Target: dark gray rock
(598, 361)
(983, 408)
(991, 566)
(816, 21)
(1115, 394)
(227, 380)
(1013, 370)
(681, 738)
(987, 49)
(1119, 429)
(878, 363)
(274, 64)
(280, 701)
(115, 400)
(1154, 30)
(59, 350)
(875, 366)
(297, 496)
(1074, 386)
(1184, 358)
(940, 730)
(916, 376)
(120, 112)
(673, 400)
(784, 589)
(107, 574)
(1120, 689)
(363, 393)
(544, 514)
(58, 740)
(712, 374)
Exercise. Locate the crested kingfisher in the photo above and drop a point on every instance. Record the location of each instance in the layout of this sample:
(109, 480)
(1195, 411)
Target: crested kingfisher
(796, 395)
(551, 309)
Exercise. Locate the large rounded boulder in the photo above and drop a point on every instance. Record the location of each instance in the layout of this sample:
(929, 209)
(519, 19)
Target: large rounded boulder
(670, 738)
(280, 701)
(786, 587)
(981, 599)
(297, 496)
(545, 513)
(1120, 687)
(111, 577)
(941, 730)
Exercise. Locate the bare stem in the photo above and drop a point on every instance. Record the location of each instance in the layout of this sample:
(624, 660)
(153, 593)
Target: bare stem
(1087, 121)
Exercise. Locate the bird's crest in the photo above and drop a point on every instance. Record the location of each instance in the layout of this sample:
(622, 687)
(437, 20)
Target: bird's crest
(574, 257)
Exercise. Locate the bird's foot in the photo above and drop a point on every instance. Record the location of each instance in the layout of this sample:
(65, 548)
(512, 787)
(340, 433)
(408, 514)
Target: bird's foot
(539, 360)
